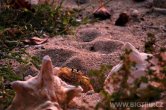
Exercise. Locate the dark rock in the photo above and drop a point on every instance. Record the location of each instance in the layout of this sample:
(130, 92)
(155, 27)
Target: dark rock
(122, 20)
(139, 0)
(81, 1)
(102, 13)
(92, 49)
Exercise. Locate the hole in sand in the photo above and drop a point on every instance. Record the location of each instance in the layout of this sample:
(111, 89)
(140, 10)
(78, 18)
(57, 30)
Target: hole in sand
(92, 49)
(88, 35)
(76, 63)
(58, 56)
(104, 46)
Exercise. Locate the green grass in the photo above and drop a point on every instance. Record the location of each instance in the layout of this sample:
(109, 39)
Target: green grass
(6, 94)
(98, 76)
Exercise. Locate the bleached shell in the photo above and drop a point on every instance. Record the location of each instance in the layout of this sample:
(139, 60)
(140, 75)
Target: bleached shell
(46, 90)
(136, 72)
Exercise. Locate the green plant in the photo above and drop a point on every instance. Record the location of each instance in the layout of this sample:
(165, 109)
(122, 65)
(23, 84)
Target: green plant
(36, 61)
(6, 94)
(98, 77)
(19, 24)
(150, 43)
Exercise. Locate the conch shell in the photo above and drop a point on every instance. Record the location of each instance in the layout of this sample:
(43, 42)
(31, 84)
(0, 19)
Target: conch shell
(136, 72)
(44, 91)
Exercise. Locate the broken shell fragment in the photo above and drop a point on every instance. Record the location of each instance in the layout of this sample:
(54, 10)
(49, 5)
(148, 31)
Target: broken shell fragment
(44, 91)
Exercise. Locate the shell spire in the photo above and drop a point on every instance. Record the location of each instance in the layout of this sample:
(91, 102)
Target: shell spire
(46, 72)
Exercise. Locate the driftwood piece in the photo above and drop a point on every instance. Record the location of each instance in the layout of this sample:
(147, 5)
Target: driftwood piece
(160, 10)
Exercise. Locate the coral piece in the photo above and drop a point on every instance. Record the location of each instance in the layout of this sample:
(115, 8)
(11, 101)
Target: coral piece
(136, 72)
(122, 20)
(75, 77)
(44, 91)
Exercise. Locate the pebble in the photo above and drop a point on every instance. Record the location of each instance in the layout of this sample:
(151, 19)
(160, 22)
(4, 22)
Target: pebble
(122, 20)
(39, 47)
(102, 14)
(81, 1)
(139, 0)
(135, 13)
